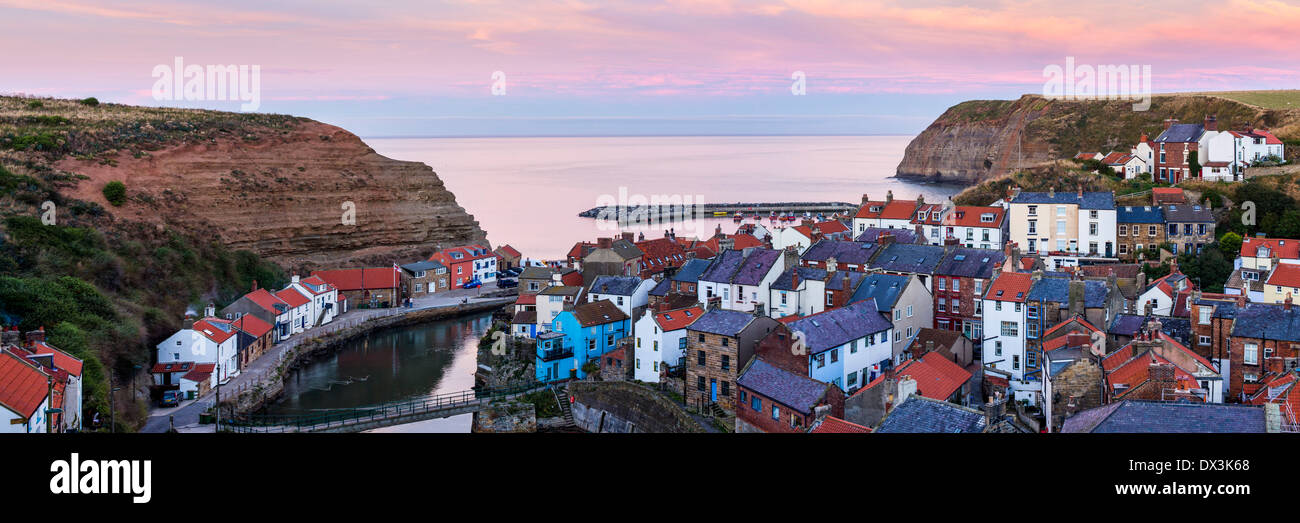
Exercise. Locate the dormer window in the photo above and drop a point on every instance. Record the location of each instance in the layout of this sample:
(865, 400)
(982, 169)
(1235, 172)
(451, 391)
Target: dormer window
(920, 216)
(986, 217)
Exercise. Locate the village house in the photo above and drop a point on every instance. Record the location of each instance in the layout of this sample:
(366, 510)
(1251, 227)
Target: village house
(873, 235)
(1145, 150)
(1005, 323)
(937, 378)
(267, 307)
(847, 346)
(718, 345)
(801, 291)
(740, 280)
(1211, 327)
(1283, 282)
(904, 302)
(523, 324)
(586, 332)
(323, 296)
(889, 214)
(1141, 231)
(914, 413)
(1189, 227)
(611, 257)
(1072, 377)
(949, 344)
(928, 223)
(661, 341)
(466, 264)
(508, 257)
(1156, 367)
(1067, 227)
(1255, 145)
(1174, 149)
(834, 255)
(1257, 258)
(62, 384)
(1158, 297)
(427, 277)
(372, 287)
(774, 400)
(629, 293)
(802, 236)
(299, 309)
(908, 260)
(26, 395)
(204, 341)
(1124, 164)
(552, 301)
(959, 282)
(983, 227)
(254, 338)
(1264, 342)
(659, 256)
(1089, 156)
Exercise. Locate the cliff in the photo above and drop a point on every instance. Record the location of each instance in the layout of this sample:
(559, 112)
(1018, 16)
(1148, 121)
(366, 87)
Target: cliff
(981, 139)
(279, 186)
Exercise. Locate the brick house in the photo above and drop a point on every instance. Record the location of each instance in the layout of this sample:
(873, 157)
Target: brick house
(427, 277)
(773, 399)
(959, 283)
(508, 257)
(1139, 230)
(1265, 342)
(1173, 149)
(718, 345)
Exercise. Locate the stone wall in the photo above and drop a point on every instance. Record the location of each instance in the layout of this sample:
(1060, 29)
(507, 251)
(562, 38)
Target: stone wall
(622, 406)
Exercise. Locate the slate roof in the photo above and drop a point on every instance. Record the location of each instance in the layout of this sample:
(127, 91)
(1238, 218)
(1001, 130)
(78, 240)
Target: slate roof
(1267, 321)
(1144, 214)
(785, 281)
(798, 392)
(970, 263)
(844, 252)
(835, 327)
(918, 414)
(691, 270)
(598, 313)
(427, 265)
(917, 259)
(1058, 290)
(722, 321)
(872, 234)
(723, 267)
(524, 317)
(1133, 416)
(835, 280)
(1188, 213)
(882, 289)
(756, 266)
(1090, 200)
(536, 273)
(661, 288)
(618, 285)
(1181, 133)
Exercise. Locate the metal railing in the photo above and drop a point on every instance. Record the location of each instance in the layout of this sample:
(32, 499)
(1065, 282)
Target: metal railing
(342, 418)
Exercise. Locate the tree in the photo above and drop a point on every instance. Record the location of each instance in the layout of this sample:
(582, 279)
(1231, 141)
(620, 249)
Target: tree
(1194, 164)
(1230, 242)
(1210, 269)
(115, 193)
(92, 101)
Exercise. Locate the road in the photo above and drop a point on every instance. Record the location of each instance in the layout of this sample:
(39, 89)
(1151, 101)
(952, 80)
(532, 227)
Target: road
(185, 417)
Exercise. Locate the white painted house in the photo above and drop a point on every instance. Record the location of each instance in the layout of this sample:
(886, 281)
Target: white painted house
(209, 340)
(1005, 326)
(625, 292)
(24, 396)
(740, 280)
(324, 299)
(661, 340)
(300, 308)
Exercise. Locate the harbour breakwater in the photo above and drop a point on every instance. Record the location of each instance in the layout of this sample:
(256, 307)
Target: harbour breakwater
(680, 210)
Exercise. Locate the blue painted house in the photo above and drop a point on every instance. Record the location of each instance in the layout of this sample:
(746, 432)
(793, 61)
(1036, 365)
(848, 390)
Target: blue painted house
(585, 332)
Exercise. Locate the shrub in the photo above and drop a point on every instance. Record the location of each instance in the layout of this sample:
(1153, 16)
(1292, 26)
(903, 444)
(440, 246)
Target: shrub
(92, 101)
(35, 104)
(115, 193)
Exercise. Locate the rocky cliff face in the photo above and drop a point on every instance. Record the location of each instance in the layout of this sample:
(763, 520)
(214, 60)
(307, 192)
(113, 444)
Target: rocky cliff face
(286, 193)
(977, 140)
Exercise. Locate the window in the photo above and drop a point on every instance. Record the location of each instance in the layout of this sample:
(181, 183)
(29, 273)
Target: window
(1060, 226)
(898, 314)
(699, 358)
(1151, 230)
(853, 378)
(756, 403)
(1205, 315)
(943, 305)
(956, 285)
(1033, 229)
(997, 306)
(776, 412)
(1033, 211)
(909, 332)
(1015, 362)
(1010, 329)
(699, 383)
(884, 336)
(1092, 228)
(835, 355)
(1250, 356)
(638, 363)
(821, 360)
(1032, 330)
(942, 283)
(726, 388)
(1204, 340)
(909, 311)
(1060, 210)
(956, 306)
(997, 349)
(726, 362)
(898, 336)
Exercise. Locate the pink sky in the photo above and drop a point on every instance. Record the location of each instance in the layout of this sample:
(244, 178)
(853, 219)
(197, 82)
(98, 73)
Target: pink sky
(593, 50)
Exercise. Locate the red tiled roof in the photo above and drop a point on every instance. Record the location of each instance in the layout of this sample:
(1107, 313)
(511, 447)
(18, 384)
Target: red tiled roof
(174, 366)
(201, 372)
(826, 228)
(526, 299)
(969, 216)
(293, 297)
(1282, 247)
(62, 360)
(208, 326)
(1286, 275)
(23, 385)
(1281, 389)
(738, 242)
(1013, 286)
(834, 425)
(933, 214)
(1085, 156)
(266, 300)
(581, 249)
(1117, 158)
(372, 278)
(898, 210)
(1137, 371)
(252, 325)
(1199, 358)
(936, 377)
(865, 211)
(510, 251)
(445, 256)
(678, 318)
(660, 253)
(1167, 194)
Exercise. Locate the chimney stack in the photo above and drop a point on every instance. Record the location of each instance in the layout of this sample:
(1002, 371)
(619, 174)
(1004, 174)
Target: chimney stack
(906, 387)
(254, 284)
(889, 196)
(1211, 123)
(1169, 122)
(885, 238)
(831, 264)
(604, 243)
(1077, 291)
(865, 199)
(36, 336)
(1286, 304)
(211, 310)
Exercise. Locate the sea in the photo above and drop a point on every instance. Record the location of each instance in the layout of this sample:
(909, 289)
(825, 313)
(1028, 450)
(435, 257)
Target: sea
(527, 192)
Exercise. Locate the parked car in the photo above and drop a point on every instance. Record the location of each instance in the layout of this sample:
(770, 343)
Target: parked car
(515, 271)
(170, 398)
(506, 283)
(473, 283)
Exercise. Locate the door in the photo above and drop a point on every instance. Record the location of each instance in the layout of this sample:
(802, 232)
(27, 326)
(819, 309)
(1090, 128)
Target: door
(713, 390)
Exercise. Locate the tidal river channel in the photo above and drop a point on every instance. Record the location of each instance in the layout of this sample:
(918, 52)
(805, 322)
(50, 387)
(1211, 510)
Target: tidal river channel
(392, 365)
